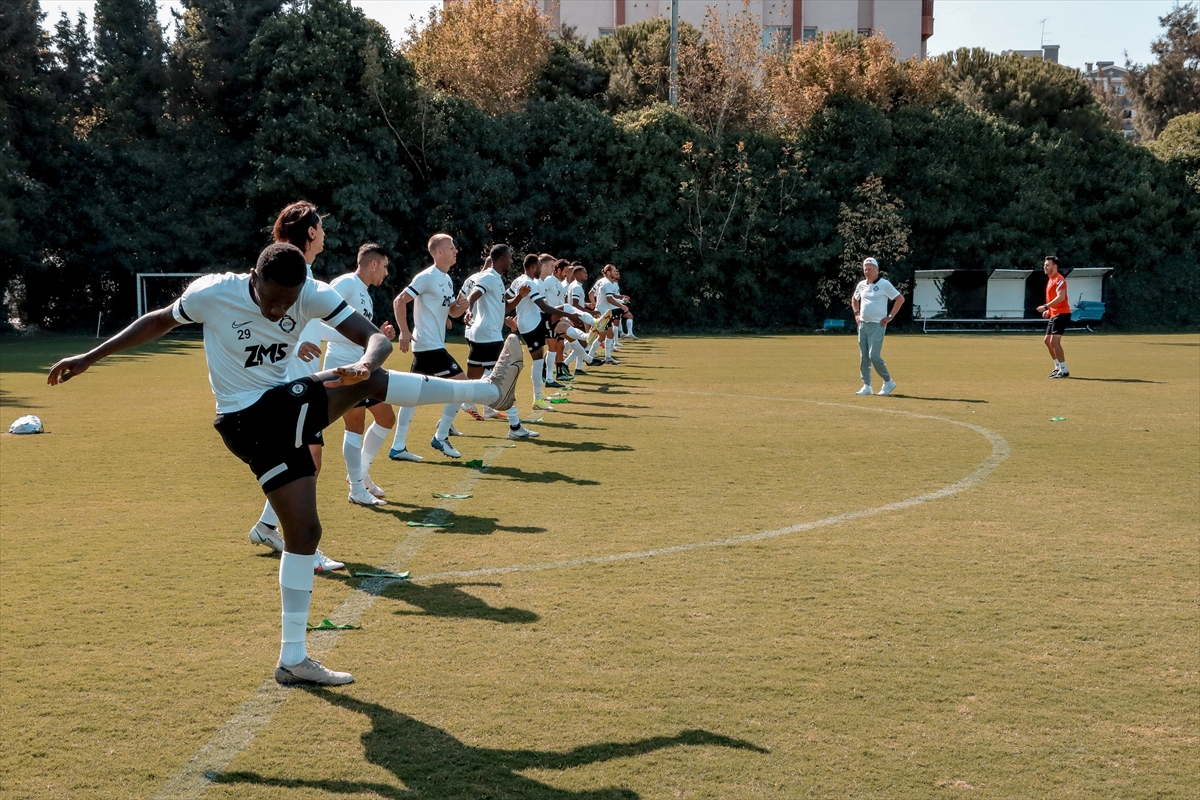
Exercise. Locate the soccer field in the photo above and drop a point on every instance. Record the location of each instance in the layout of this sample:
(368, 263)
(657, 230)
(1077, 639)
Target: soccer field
(718, 574)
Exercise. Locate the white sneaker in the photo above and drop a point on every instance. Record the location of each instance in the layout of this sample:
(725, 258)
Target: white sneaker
(309, 671)
(444, 447)
(865, 391)
(364, 498)
(404, 455)
(372, 488)
(454, 432)
(491, 413)
(522, 433)
(262, 533)
(506, 371)
(323, 563)
(542, 405)
(888, 387)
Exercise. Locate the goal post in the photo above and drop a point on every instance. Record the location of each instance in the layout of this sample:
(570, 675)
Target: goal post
(162, 292)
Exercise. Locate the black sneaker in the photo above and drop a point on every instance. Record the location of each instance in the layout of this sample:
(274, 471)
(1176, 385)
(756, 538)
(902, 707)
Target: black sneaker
(1064, 374)
(1053, 374)
(1057, 374)
(553, 384)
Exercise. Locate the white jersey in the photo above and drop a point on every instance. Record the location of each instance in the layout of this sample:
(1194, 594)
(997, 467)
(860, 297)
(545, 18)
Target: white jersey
(576, 294)
(487, 316)
(342, 351)
(311, 333)
(605, 290)
(432, 291)
(553, 291)
(248, 354)
(529, 315)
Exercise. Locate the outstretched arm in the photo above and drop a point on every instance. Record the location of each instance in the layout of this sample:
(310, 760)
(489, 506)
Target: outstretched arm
(145, 328)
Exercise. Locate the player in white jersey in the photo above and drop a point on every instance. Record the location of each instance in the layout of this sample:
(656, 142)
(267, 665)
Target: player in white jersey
(431, 291)
(607, 299)
(359, 449)
(484, 294)
(554, 292)
(251, 325)
(627, 331)
(526, 293)
(299, 224)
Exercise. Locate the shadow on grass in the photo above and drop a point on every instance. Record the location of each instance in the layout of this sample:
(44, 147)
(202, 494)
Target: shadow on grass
(938, 399)
(590, 404)
(433, 764)
(448, 600)
(1175, 344)
(581, 447)
(518, 474)
(1115, 380)
(463, 523)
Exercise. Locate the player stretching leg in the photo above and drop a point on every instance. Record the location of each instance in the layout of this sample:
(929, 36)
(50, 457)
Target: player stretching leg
(432, 293)
(484, 293)
(301, 225)
(359, 450)
(251, 323)
(525, 292)
(608, 302)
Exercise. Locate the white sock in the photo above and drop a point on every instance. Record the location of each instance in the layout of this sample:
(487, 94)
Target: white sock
(295, 591)
(608, 346)
(551, 357)
(580, 354)
(373, 439)
(403, 422)
(269, 517)
(536, 375)
(352, 452)
(1062, 365)
(409, 389)
(629, 326)
(449, 412)
(514, 418)
(572, 357)
(591, 351)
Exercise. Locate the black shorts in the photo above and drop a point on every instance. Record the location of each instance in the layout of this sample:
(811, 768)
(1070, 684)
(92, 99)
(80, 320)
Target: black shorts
(436, 364)
(548, 322)
(536, 338)
(367, 403)
(273, 435)
(484, 354)
(1057, 326)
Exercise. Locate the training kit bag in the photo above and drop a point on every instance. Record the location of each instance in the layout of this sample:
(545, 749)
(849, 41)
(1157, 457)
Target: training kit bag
(26, 424)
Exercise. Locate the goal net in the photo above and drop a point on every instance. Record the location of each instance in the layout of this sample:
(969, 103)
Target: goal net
(160, 289)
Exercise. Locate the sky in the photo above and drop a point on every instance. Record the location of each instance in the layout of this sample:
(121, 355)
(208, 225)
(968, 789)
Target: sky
(1086, 30)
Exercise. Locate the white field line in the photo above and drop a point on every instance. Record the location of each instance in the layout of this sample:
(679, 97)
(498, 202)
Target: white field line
(194, 777)
(198, 773)
(1000, 451)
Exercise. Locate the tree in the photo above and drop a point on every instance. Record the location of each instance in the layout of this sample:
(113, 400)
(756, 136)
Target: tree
(131, 62)
(872, 227)
(571, 71)
(490, 52)
(637, 58)
(1170, 87)
(1179, 143)
(721, 73)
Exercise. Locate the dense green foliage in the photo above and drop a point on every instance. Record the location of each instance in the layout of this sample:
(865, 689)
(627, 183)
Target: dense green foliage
(125, 154)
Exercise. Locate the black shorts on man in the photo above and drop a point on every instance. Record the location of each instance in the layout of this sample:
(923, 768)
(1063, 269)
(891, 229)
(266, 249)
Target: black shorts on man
(1057, 326)
(273, 435)
(484, 354)
(436, 363)
(536, 338)
(548, 324)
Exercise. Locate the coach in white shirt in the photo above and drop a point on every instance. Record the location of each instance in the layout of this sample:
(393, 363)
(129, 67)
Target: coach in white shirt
(871, 312)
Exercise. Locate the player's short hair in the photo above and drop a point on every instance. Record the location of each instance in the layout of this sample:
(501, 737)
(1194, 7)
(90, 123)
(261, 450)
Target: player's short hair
(293, 223)
(282, 263)
(545, 257)
(562, 263)
(609, 266)
(437, 240)
(369, 251)
(530, 260)
(1052, 258)
(499, 251)
(580, 268)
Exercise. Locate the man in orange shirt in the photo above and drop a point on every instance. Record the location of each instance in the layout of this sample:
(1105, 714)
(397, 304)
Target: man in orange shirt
(1058, 311)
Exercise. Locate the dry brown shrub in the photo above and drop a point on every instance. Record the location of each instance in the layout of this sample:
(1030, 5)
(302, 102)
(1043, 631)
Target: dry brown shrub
(487, 51)
(720, 75)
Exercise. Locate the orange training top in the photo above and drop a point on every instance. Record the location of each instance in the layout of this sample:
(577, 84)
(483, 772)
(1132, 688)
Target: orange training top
(1052, 291)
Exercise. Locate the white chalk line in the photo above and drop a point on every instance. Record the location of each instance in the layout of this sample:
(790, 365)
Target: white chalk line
(201, 770)
(194, 778)
(1000, 451)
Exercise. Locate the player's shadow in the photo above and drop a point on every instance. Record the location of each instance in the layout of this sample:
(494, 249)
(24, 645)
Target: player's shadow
(434, 765)
(518, 474)
(450, 601)
(581, 447)
(590, 404)
(938, 399)
(1115, 380)
(574, 426)
(463, 523)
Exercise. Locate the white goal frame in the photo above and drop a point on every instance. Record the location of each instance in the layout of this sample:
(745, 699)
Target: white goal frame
(141, 284)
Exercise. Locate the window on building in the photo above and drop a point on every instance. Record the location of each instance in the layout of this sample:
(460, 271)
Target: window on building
(865, 31)
(781, 32)
(607, 31)
(1121, 90)
(810, 34)
(1127, 114)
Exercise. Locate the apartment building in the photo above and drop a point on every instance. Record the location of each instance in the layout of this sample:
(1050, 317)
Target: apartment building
(908, 23)
(1109, 79)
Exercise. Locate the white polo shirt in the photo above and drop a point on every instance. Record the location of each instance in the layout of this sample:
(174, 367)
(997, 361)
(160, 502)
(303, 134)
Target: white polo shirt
(874, 298)
(432, 291)
(529, 315)
(487, 317)
(342, 351)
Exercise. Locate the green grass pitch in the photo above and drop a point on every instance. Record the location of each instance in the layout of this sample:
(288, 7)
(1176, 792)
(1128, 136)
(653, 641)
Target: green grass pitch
(1033, 635)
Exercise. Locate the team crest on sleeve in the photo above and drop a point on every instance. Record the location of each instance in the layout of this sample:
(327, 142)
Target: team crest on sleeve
(287, 324)
(297, 389)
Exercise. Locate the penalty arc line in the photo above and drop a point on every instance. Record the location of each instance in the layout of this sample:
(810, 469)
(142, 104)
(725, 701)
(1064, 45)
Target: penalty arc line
(201, 770)
(1000, 452)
